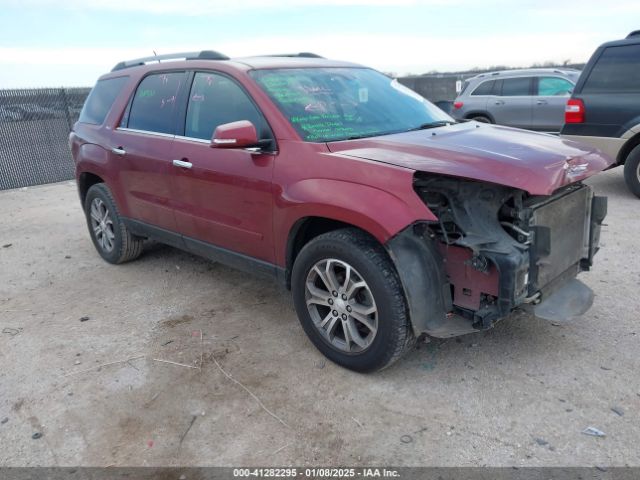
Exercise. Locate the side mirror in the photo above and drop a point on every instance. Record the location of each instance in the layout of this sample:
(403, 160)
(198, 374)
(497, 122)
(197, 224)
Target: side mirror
(240, 134)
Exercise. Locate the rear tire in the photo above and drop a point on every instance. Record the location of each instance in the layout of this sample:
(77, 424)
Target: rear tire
(632, 171)
(481, 119)
(111, 237)
(350, 301)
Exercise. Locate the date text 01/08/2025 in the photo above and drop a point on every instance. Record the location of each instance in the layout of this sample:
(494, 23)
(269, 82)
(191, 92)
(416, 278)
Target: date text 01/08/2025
(315, 472)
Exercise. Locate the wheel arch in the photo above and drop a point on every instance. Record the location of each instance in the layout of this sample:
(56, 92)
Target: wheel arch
(85, 181)
(306, 229)
(479, 113)
(94, 165)
(627, 148)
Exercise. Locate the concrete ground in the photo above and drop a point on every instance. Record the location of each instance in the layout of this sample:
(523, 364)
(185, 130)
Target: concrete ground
(520, 394)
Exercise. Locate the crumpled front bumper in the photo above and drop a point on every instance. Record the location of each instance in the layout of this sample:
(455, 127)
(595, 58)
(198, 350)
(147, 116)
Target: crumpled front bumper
(448, 297)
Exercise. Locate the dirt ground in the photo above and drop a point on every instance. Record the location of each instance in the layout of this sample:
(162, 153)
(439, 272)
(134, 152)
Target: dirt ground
(519, 394)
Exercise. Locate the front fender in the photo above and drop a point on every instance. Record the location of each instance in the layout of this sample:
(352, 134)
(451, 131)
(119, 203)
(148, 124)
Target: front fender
(371, 209)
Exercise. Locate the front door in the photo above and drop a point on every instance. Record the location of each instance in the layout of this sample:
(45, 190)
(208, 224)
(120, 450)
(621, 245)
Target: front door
(223, 197)
(142, 147)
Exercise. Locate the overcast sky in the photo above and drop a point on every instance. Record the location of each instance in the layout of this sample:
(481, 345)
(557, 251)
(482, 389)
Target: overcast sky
(70, 43)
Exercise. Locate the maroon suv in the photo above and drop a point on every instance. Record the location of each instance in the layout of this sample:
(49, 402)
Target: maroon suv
(386, 218)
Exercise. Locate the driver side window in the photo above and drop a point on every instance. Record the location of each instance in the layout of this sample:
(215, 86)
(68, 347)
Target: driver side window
(215, 100)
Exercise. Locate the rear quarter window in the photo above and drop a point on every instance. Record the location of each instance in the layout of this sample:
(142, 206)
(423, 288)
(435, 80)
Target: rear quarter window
(616, 71)
(100, 100)
(485, 88)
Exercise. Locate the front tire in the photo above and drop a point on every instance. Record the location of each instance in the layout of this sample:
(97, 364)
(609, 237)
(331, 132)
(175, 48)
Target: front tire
(111, 237)
(632, 171)
(350, 301)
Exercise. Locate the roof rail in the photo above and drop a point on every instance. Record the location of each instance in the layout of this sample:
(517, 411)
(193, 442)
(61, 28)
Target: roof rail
(300, 54)
(635, 33)
(565, 70)
(203, 55)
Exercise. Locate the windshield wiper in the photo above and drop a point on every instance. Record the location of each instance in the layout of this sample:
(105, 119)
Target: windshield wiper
(374, 134)
(364, 135)
(426, 126)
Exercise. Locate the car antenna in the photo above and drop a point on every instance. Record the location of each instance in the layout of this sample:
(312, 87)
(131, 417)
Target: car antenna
(155, 54)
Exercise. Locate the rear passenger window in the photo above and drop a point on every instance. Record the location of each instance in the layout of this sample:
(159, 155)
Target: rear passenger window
(101, 99)
(216, 99)
(516, 87)
(485, 88)
(616, 71)
(154, 104)
(554, 86)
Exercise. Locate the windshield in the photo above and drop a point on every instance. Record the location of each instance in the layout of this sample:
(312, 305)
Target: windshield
(328, 104)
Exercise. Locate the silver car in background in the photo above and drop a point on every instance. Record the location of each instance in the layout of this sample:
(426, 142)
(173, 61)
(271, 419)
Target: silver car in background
(533, 98)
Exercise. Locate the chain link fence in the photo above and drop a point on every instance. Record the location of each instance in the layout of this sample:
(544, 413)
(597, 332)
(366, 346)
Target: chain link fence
(34, 131)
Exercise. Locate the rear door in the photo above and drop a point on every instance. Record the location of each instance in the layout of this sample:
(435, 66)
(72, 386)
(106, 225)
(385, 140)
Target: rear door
(476, 101)
(512, 104)
(142, 148)
(551, 95)
(223, 195)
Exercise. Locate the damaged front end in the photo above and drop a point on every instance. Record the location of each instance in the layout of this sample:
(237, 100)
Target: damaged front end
(494, 249)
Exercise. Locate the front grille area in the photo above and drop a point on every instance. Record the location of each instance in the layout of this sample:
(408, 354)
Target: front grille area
(561, 234)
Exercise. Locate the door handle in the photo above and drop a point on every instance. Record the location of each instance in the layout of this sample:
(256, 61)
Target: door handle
(118, 150)
(541, 102)
(182, 164)
(499, 102)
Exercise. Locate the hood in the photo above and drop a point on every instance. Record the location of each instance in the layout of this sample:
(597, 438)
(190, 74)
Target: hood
(535, 162)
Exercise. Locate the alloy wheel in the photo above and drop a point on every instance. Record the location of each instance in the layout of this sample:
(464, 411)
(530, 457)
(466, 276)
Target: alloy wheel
(341, 305)
(102, 225)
